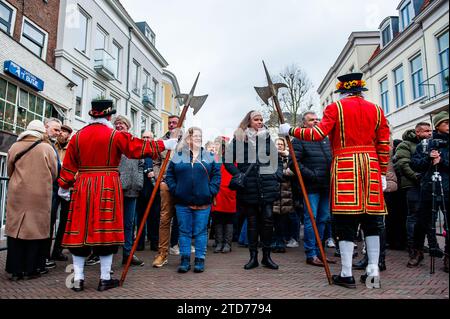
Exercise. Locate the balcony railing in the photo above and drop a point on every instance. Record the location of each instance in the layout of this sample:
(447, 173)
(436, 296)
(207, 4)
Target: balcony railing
(436, 85)
(105, 64)
(148, 98)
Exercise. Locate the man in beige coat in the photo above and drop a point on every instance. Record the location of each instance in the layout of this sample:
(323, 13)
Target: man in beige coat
(32, 168)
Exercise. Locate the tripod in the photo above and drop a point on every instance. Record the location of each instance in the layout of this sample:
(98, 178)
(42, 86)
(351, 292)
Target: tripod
(438, 201)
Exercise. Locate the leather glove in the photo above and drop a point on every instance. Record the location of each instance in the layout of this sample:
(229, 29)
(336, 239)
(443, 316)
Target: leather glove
(383, 182)
(64, 194)
(170, 144)
(284, 129)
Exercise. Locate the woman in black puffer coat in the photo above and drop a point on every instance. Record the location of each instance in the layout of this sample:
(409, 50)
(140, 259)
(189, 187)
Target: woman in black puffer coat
(252, 145)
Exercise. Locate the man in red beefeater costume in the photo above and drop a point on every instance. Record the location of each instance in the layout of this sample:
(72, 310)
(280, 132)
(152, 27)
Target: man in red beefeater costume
(359, 135)
(95, 221)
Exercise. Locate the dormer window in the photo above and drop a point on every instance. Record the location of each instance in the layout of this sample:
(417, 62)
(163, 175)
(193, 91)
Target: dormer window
(150, 35)
(406, 14)
(388, 29)
(386, 35)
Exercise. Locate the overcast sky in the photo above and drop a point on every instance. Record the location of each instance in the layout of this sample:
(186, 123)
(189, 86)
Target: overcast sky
(226, 40)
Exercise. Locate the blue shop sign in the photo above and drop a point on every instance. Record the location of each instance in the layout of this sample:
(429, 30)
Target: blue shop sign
(23, 75)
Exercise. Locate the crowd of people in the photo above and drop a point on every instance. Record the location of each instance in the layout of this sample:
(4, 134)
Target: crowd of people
(360, 185)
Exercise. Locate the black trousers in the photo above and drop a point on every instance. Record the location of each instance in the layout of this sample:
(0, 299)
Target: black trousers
(346, 226)
(63, 213)
(25, 256)
(220, 218)
(259, 224)
(151, 229)
(85, 251)
(424, 226)
(396, 219)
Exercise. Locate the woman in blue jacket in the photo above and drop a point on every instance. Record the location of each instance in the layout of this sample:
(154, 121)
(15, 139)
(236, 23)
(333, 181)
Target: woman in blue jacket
(193, 178)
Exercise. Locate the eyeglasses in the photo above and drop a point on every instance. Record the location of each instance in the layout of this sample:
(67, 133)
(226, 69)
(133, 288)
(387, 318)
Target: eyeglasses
(146, 137)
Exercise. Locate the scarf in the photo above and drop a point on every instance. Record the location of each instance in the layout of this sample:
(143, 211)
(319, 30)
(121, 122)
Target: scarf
(253, 135)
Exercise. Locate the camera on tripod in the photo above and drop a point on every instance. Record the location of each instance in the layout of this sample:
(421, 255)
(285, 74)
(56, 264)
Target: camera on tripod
(433, 144)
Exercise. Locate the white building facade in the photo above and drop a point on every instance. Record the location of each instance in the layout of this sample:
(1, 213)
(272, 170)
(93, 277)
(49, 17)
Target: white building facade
(408, 74)
(405, 65)
(108, 55)
(356, 53)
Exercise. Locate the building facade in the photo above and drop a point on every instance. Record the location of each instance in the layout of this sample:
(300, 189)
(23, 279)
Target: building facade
(30, 87)
(171, 105)
(108, 55)
(407, 72)
(356, 53)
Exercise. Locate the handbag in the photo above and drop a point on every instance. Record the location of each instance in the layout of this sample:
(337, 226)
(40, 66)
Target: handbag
(237, 182)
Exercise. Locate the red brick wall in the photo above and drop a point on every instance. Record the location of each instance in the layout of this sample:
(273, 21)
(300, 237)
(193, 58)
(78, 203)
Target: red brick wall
(45, 15)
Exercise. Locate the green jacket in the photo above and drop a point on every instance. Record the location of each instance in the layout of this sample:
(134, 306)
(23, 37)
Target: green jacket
(403, 155)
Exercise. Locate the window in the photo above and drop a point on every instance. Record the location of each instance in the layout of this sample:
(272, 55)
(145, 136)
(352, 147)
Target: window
(97, 92)
(133, 119)
(116, 103)
(154, 91)
(116, 55)
(147, 78)
(417, 76)
(399, 87)
(79, 89)
(384, 95)
(386, 35)
(443, 59)
(19, 107)
(33, 38)
(82, 31)
(406, 14)
(135, 77)
(144, 121)
(100, 38)
(6, 17)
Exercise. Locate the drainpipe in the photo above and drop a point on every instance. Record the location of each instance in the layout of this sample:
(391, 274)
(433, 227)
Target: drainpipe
(130, 30)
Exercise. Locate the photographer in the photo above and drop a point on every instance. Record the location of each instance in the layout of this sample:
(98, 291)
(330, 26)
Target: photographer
(431, 157)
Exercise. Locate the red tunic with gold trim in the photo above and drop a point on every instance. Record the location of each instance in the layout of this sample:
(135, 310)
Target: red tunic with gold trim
(359, 136)
(96, 207)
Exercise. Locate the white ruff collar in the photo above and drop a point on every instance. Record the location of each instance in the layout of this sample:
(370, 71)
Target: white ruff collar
(101, 120)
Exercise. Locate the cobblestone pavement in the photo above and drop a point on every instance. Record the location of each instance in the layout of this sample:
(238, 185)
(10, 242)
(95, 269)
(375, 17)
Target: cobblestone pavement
(225, 278)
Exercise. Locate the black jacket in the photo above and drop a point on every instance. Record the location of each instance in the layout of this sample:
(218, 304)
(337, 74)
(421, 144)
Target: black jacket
(263, 181)
(422, 163)
(314, 159)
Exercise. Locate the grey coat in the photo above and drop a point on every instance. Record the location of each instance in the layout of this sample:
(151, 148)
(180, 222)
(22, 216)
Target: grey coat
(131, 175)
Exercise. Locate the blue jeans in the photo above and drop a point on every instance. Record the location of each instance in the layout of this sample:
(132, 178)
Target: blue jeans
(320, 207)
(294, 226)
(192, 224)
(243, 236)
(129, 216)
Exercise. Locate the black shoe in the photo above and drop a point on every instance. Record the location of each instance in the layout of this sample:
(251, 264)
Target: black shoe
(43, 271)
(107, 284)
(134, 261)
(267, 261)
(347, 282)
(59, 257)
(92, 260)
(362, 264)
(16, 277)
(253, 262)
(33, 275)
(78, 285)
(50, 264)
(375, 282)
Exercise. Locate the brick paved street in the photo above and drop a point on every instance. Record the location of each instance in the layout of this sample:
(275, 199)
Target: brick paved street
(225, 278)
